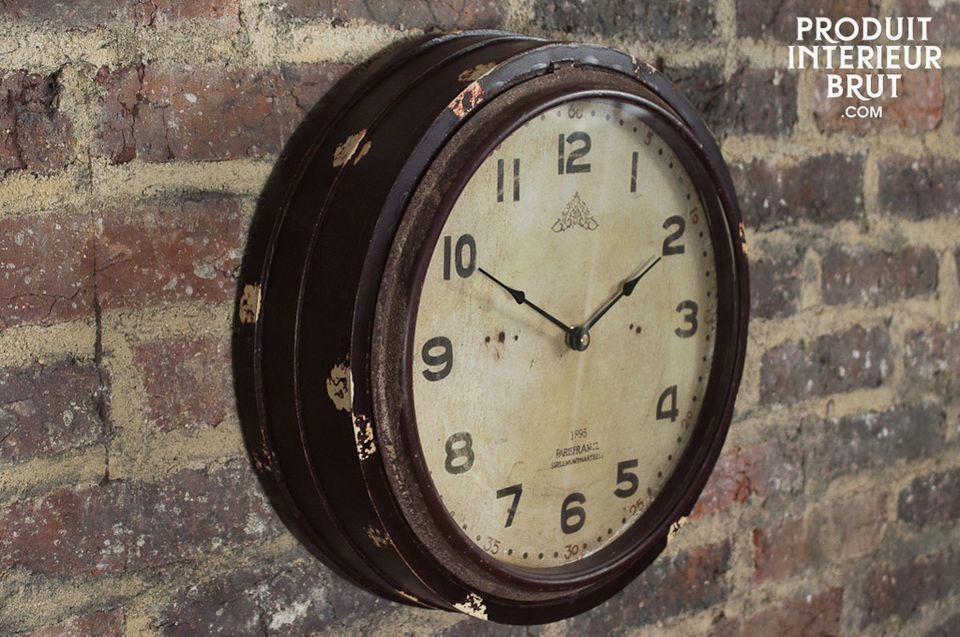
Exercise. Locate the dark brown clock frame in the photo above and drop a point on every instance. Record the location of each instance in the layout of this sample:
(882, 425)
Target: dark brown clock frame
(328, 298)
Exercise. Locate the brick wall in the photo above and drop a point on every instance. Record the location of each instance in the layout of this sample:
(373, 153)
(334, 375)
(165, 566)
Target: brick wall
(135, 136)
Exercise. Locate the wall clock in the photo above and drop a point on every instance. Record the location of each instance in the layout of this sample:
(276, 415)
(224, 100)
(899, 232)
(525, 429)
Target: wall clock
(491, 324)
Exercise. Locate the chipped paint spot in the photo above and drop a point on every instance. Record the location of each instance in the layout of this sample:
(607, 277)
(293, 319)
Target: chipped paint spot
(641, 68)
(473, 606)
(250, 304)
(675, 528)
(363, 433)
(379, 537)
(743, 240)
(363, 152)
(340, 387)
(408, 596)
(348, 148)
(467, 100)
(474, 74)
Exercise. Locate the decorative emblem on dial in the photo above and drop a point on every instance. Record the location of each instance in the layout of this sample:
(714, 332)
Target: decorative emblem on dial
(575, 213)
(445, 386)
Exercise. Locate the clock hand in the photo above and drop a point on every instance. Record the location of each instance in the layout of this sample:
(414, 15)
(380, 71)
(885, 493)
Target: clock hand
(625, 290)
(521, 299)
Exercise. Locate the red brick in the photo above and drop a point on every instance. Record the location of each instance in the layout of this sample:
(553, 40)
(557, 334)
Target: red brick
(835, 532)
(781, 551)
(879, 439)
(187, 381)
(944, 27)
(932, 358)
(779, 19)
(46, 269)
(90, 13)
(750, 102)
(901, 590)
(919, 189)
(800, 616)
(165, 253)
(287, 598)
(159, 113)
(853, 359)
(931, 499)
(34, 133)
(100, 624)
(871, 277)
(128, 526)
(822, 190)
(918, 107)
(775, 285)
(46, 409)
(454, 14)
(693, 580)
(757, 471)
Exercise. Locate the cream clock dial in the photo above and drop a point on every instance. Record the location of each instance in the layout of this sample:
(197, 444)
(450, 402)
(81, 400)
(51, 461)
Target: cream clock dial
(564, 334)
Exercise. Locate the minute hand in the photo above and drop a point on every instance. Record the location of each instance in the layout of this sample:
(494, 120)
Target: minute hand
(521, 299)
(625, 290)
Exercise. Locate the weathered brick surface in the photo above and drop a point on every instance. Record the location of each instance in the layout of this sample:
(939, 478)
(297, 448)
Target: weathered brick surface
(932, 358)
(775, 285)
(91, 13)
(160, 114)
(917, 108)
(34, 133)
(820, 190)
(751, 102)
(878, 439)
(645, 19)
(692, 580)
(811, 523)
(46, 269)
(800, 616)
(127, 526)
(291, 599)
(757, 471)
(99, 624)
(779, 19)
(188, 382)
(931, 499)
(46, 409)
(871, 277)
(846, 529)
(901, 590)
(187, 251)
(856, 358)
(919, 189)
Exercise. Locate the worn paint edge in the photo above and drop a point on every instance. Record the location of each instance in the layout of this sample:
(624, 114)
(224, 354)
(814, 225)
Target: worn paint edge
(340, 386)
(468, 99)
(250, 304)
(348, 148)
(473, 606)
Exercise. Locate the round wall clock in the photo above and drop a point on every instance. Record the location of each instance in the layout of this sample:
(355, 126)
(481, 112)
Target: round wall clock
(491, 324)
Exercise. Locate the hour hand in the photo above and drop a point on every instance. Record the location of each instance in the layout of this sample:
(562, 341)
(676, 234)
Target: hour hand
(522, 299)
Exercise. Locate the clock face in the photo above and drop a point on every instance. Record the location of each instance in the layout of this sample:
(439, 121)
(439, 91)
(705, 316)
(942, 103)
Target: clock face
(565, 334)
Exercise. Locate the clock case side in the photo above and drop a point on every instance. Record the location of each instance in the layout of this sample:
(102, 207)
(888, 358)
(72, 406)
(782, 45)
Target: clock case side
(519, 596)
(292, 211)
